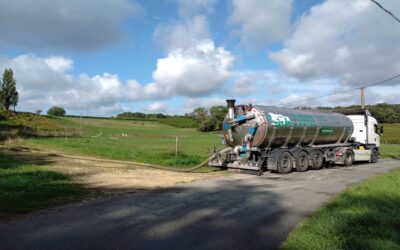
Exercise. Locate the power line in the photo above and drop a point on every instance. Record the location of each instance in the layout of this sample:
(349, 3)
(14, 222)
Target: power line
(387, 11)
(342, 91)
(366, 86)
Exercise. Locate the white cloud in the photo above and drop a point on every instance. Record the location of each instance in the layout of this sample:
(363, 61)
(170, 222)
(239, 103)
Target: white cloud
(260, 21)
(296, 100)
(182, 34)
(193, 72)
(156, 107)
(250, 82)
(72, 24)
(352, 41)
(58, 63)
(193, 65)
(242, 86)
(43, 82)
(39, 73)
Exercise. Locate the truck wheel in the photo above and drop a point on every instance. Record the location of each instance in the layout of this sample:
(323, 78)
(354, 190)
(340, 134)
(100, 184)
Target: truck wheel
(285, 163)
(302, 161)
(348, 158)
(317, 159)
(374, 156)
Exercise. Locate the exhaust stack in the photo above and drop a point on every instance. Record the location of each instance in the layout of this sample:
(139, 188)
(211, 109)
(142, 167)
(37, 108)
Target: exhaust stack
(231, 108)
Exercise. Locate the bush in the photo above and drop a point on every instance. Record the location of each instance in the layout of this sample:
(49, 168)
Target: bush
(56, 111)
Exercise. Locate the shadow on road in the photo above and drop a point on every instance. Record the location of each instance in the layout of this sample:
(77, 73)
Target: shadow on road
(229, 217)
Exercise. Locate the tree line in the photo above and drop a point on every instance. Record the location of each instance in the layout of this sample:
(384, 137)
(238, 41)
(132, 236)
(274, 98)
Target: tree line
(203, 119)
(383, 112)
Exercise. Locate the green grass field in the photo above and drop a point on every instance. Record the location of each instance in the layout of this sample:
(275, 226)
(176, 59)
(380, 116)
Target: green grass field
(25, 187)
(141, 141)
(366, 216)
(391, 134)
(390, 151)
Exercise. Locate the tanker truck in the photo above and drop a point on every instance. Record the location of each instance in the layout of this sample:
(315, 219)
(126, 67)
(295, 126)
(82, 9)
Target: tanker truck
(278, 139)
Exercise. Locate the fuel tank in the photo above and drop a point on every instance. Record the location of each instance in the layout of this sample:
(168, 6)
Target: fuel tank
(273, 127)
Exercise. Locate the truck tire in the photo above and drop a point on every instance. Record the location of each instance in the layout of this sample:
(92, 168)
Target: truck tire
(317, 159)
(285, 163)
(374, 156)
(348, 158)
(302, 160)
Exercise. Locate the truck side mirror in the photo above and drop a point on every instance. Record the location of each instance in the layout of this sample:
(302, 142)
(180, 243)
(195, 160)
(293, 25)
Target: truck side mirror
(381, 130)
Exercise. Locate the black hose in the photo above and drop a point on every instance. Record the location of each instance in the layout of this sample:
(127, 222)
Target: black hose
(174, 169)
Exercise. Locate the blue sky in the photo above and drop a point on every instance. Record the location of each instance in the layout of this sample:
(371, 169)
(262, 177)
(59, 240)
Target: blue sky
(105, 57)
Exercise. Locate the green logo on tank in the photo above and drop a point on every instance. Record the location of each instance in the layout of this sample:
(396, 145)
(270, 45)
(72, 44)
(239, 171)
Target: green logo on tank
(279, 120)
(326, 130)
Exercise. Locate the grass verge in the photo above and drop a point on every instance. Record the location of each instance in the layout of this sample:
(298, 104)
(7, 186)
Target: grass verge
(391, 134)
(390, 151)
(366, 216)
(25, 187)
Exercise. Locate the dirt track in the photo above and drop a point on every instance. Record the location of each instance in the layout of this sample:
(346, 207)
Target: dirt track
(110, 176)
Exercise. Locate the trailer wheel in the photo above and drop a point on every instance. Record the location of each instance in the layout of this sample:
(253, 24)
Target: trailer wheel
(285, 163)
(302, 159)
(348, 158)
(374, 156)
(317, 159)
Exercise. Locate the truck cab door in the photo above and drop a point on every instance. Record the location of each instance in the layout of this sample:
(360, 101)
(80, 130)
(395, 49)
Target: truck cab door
(373, 132)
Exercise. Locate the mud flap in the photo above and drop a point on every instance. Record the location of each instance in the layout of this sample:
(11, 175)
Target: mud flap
(272, 163)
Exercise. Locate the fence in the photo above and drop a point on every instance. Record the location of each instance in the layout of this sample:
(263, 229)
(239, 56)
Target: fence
(12, 131)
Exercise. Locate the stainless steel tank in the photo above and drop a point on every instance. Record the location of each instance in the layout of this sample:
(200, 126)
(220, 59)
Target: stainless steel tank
(283, 127)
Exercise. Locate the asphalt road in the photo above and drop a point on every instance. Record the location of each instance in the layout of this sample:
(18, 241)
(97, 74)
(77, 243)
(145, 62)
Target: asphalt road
(234, 212)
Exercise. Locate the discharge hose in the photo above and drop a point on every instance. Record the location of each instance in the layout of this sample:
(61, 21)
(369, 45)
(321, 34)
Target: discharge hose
(174, 169)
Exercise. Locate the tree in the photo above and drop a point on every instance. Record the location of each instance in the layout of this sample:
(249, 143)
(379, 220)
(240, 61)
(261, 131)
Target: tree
(204, 121)
(56, 111)
(39, 111)
(8, 90)
(217, 115)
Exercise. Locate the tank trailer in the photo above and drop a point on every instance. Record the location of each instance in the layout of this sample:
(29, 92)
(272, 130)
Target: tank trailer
(282, 139)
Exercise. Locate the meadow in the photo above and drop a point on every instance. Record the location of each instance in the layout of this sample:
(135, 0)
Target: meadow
(142, 141)
(391, 133)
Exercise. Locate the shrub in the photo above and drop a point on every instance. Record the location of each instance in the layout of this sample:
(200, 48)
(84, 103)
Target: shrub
(56, 111)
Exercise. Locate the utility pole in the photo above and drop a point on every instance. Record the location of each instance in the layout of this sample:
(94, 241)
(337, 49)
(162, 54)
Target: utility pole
(362, 97)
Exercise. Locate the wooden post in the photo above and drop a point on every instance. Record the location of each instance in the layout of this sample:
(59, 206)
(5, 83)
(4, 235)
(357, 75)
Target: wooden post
(176, 146)
(66, 133)
(80, 123)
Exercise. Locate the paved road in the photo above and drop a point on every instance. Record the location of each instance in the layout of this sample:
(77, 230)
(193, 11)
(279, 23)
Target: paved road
(235, 212)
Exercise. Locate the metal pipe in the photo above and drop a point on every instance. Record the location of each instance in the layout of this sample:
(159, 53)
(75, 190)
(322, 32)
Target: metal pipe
(231, 108)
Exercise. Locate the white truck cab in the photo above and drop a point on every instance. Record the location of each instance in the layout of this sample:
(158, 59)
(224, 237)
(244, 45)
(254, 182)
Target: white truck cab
(366, 129)
(366, 135)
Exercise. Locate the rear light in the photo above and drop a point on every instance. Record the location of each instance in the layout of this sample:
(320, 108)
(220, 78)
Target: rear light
(339, 153)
